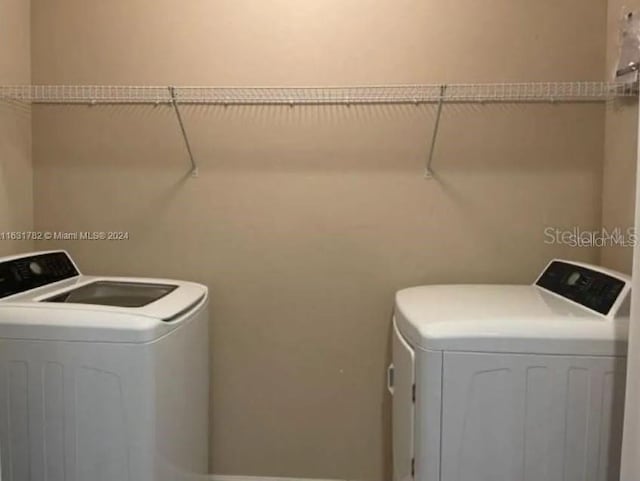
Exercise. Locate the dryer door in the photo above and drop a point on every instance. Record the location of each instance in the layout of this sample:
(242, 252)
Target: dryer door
(402, 381)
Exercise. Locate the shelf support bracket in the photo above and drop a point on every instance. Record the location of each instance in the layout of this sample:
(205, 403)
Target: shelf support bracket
(174, 102)
(428, 173)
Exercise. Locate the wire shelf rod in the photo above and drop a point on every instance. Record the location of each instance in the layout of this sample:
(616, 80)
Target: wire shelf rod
(374, 94)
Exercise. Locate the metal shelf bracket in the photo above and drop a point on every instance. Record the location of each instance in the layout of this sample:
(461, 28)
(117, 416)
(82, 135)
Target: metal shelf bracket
(428, 173)
(174, 102)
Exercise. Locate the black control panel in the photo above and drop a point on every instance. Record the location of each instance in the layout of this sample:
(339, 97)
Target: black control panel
(20, 275)
(592, 289)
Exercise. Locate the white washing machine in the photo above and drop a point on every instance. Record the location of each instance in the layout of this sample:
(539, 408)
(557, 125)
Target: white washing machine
(101, 378)
(511, 383)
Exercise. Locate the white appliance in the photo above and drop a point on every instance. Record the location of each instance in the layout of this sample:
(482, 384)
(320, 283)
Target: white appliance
(101, 378)
(509, 382)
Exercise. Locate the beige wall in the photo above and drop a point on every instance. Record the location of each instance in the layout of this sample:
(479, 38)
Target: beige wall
(619, 175)
(16, 194)
(304, 221)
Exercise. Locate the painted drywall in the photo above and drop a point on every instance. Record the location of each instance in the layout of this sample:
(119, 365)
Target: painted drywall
(16, 176)
(304, 221)
(619, 168)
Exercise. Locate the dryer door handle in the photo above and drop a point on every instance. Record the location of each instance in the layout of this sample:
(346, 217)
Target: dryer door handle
(390, 378)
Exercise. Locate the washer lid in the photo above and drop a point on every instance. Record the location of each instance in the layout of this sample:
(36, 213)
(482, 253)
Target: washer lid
(101, 309)
(115, 293)
(505, 318)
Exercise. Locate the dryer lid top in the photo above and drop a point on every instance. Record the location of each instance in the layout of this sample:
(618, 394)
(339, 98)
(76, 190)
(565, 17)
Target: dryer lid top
(511, 318)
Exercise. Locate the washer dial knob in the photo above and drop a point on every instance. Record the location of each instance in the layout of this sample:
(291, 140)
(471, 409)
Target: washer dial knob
(35, 268)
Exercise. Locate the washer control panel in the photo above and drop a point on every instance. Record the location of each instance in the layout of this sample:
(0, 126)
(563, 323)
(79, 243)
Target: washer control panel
(592, 289)
(29, 272)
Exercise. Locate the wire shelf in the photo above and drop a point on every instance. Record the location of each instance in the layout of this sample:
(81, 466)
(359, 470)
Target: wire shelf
(397, 94)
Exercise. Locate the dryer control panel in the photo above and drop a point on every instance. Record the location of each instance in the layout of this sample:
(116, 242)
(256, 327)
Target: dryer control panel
(592, 289)
(25, 273)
